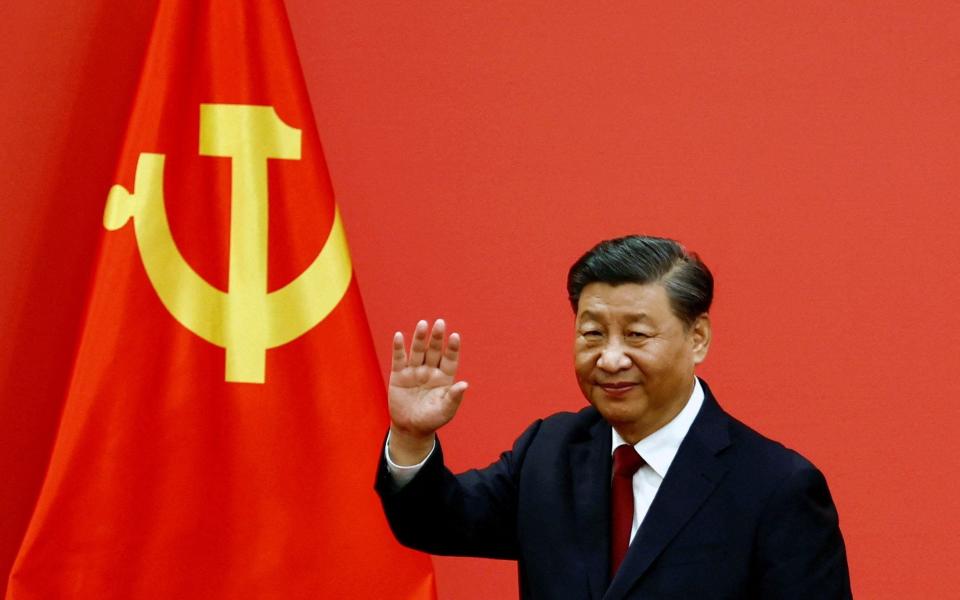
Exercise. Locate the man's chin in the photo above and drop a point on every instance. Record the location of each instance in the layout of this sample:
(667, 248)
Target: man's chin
(619, 412)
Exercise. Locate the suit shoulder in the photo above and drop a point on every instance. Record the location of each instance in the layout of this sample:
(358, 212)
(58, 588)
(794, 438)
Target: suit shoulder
(770, 456)
(570, 423)
(559, 429)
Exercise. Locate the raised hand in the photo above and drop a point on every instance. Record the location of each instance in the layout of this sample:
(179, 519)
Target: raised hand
(423, 393)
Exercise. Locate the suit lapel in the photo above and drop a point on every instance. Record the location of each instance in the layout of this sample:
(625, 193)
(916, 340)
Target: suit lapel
(590, 475)
(692, 477)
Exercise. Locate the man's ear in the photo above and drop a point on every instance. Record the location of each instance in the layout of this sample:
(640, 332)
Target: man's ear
(700, 335)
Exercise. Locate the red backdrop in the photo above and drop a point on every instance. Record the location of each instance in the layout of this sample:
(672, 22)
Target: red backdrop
(809, 152)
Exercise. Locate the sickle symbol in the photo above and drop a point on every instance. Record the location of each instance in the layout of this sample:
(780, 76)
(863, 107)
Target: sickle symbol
(246, 320)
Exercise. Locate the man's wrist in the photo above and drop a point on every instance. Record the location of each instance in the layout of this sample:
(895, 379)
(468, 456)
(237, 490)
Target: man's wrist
(408, 449)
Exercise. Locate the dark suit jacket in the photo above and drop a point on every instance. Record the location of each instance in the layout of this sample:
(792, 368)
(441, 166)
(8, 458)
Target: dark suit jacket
(737, 516)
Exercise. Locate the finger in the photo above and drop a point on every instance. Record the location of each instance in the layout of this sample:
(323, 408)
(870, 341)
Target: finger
(399, 353)
(455, 394)
(451, 357)
(435, 344)
(419, 344)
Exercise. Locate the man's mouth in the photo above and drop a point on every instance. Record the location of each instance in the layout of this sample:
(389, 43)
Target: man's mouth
(617, 388)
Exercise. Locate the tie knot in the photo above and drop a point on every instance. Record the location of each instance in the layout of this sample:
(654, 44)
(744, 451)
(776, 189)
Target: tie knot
(626, 461)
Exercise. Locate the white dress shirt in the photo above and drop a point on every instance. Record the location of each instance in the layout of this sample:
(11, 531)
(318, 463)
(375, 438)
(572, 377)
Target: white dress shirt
(657, 451)
(403, 475)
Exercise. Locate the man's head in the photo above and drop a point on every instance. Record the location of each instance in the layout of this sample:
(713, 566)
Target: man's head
(642, 326)
(642, 259)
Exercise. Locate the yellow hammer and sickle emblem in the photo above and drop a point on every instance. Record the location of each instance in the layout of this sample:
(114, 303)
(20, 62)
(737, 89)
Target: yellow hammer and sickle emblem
(246, 320)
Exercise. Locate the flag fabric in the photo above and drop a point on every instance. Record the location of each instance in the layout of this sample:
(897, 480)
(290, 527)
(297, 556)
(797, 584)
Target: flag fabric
(225, 412)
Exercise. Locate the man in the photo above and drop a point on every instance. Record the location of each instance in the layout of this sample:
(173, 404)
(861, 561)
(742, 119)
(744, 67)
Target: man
(652, 491)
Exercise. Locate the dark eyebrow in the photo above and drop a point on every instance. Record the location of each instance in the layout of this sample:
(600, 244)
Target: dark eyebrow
(641, 316)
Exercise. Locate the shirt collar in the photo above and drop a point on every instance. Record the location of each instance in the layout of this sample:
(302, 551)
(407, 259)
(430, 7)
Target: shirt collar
(660, 447)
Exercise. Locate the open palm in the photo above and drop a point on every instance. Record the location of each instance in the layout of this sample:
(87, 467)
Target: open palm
(423, 392)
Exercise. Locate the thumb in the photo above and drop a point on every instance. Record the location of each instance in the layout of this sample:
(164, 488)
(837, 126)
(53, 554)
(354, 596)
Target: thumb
(455, 393)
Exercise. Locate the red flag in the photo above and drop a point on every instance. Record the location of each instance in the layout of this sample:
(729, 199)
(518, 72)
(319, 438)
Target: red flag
(226, 410)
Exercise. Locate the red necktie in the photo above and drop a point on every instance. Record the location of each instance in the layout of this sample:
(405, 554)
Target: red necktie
(626, 461)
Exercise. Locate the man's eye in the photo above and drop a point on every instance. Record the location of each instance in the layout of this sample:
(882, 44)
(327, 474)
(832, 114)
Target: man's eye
(591, 333)
(638, 334)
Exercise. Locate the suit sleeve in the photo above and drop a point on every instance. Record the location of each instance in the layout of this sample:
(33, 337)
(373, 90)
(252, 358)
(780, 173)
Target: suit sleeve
(801, 552)
(470, 514)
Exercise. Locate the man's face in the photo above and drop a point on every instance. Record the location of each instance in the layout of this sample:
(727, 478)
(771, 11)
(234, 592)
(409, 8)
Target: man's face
(633, 357)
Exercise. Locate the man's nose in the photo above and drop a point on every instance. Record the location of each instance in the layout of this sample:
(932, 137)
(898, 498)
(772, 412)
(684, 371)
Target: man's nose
(613, 359)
